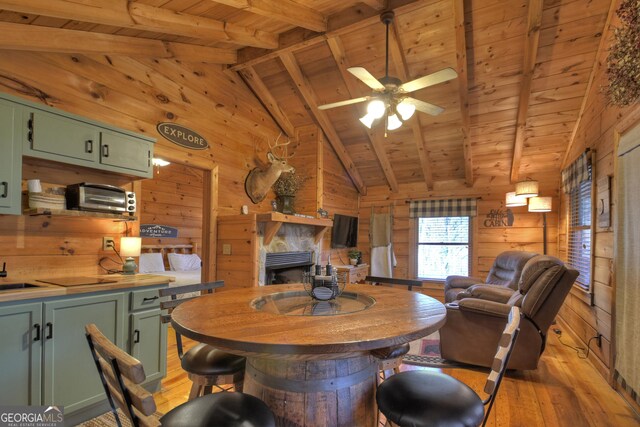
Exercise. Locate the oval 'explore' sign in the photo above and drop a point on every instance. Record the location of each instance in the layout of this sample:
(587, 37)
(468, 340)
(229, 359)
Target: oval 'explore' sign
(182, 136)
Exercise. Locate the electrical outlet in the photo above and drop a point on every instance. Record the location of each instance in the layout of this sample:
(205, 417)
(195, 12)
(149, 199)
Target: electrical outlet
(599, 340)
(226, 249)
(107, 243)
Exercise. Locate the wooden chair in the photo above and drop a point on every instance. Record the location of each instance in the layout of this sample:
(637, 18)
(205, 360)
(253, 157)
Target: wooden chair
(206, 366)
(431, 398)
(121, 375)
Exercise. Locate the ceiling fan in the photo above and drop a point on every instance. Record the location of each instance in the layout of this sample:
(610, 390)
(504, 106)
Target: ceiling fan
(390, 96)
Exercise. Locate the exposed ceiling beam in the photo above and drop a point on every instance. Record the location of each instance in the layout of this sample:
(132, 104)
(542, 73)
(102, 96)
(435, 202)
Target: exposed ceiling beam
(402, 69)
(304, 89)
(534, 18)
(596, 65)
(253, 80)
(463, 87)
(376, 4)
(337, 50)
(349, 20)
(282, 10)
(142, 17)
(45, 39)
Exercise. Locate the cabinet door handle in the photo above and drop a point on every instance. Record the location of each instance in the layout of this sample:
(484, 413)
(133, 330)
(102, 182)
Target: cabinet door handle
(145, 299)
(105, 151)
(50, 331)
(88, 146)
(30, 126)
(37, 328)
(136, 336)
(5, 191)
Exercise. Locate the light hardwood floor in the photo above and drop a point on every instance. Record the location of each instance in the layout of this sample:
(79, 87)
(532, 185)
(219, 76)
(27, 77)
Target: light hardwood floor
(564, 391)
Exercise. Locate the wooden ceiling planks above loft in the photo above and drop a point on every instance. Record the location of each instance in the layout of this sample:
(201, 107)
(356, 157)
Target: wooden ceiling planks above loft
(510, 114)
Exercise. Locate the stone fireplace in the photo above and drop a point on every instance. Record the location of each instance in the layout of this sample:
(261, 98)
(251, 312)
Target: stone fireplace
(290, 252)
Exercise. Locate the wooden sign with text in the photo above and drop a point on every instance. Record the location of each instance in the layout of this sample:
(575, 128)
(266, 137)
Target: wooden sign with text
(182, 136)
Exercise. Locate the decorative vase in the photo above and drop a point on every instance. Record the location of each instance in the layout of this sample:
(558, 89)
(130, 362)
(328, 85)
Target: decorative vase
(285, 204)
(353, 261)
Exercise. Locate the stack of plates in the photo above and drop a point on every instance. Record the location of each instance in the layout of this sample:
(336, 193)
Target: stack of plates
(46, 200)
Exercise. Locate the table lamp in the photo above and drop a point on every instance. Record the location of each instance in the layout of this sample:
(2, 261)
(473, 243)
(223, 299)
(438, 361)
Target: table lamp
(130, 247)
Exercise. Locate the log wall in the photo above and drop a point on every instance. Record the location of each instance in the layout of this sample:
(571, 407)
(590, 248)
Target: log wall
(174, 198)
(599, 129)
(133, 94)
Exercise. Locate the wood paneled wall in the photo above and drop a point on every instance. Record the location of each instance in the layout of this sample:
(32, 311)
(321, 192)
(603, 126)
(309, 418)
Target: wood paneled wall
(598, 130)
(174, 198)
(133, 94)
(487, 241)
(57, 246)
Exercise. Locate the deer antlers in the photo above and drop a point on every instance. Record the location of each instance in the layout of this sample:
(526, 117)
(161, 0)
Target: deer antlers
(283, 148)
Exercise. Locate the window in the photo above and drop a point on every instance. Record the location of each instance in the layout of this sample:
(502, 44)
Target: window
(443, 247)
(580, 232)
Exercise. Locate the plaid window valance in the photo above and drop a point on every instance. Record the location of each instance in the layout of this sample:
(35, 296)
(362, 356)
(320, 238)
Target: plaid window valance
(440, 208)
(576, 172)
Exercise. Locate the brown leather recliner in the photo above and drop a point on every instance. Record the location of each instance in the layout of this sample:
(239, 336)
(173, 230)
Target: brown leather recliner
(505, 272)
(474, 325)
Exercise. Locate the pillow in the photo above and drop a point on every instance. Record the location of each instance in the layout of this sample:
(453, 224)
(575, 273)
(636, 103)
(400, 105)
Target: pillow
(151, 262)
(184, 262)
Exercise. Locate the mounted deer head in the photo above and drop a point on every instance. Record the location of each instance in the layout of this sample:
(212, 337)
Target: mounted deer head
(259, 181)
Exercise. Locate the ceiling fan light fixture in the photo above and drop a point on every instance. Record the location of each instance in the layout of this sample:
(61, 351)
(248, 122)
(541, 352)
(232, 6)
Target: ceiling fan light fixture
(367, 120)
(393, 122)
(376, 108)
(406, 110)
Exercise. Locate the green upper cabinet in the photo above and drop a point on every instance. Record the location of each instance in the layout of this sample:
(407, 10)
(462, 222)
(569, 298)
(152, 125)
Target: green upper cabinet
(36, 130)
(123, 151)
(59, 138)
(10, 158)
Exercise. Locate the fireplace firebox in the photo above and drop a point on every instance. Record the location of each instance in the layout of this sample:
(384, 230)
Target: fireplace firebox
(286, 267)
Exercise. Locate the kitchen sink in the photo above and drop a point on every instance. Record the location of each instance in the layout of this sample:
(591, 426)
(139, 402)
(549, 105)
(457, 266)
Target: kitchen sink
(16, 286)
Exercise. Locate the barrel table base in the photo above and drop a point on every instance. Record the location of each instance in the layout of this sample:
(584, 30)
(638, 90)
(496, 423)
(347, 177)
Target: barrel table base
(318, 393)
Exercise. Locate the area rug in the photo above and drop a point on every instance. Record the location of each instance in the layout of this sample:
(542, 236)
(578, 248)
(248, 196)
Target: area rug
(426, 352)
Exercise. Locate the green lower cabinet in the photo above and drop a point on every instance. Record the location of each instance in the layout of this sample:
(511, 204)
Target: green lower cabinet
(70, 377)
(148, 343)
(21, 354)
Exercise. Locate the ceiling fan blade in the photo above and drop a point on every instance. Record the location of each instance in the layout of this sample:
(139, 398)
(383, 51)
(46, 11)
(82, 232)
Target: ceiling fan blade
(425, 107)
(430, 80)
(365, 77)
(342, 103)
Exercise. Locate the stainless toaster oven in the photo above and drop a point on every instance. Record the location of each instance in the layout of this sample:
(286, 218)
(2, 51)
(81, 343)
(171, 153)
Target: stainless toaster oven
(96, 197)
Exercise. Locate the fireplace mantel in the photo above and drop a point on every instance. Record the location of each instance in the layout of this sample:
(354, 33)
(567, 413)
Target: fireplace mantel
(274, 220)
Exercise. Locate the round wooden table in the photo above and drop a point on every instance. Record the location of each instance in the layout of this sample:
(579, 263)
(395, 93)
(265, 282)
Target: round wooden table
(313, 367)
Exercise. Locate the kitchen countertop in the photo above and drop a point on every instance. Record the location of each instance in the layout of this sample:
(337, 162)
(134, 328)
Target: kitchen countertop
(45, 290)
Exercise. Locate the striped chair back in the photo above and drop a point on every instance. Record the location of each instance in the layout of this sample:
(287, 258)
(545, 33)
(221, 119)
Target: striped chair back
(121, 375)
(501, 359)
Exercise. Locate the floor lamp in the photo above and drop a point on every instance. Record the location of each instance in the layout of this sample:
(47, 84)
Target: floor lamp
(541, 204)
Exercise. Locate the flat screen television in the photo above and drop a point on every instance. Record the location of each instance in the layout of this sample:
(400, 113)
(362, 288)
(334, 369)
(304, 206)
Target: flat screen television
(344, 233)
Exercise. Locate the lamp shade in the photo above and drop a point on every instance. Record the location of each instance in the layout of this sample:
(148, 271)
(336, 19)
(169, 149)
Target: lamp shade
(393, 122)
(540, 204)
(376, 108)
(527, 188)
(367, 120)
(130, 246)
(406, 110)
(512, 200)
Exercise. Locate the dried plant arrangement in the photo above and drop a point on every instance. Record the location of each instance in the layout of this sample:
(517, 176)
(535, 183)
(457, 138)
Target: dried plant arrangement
(623, 62)
(288, 184)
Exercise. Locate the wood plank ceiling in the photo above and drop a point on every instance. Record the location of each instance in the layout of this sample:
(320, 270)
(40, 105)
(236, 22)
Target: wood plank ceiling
(524, 68)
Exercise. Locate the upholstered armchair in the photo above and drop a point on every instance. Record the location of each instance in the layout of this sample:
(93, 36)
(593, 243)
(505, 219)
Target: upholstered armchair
(474, 324)
(505, 272)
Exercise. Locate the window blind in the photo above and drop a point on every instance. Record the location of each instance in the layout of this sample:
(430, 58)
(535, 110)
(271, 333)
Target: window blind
(580, 233)
(443, 247)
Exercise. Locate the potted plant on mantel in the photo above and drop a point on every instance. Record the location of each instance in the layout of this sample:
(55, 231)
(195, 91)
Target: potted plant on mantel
(286, 187)
(354, 256)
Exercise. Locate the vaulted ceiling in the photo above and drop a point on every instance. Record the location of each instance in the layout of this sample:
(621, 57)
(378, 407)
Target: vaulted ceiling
(524, 68)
